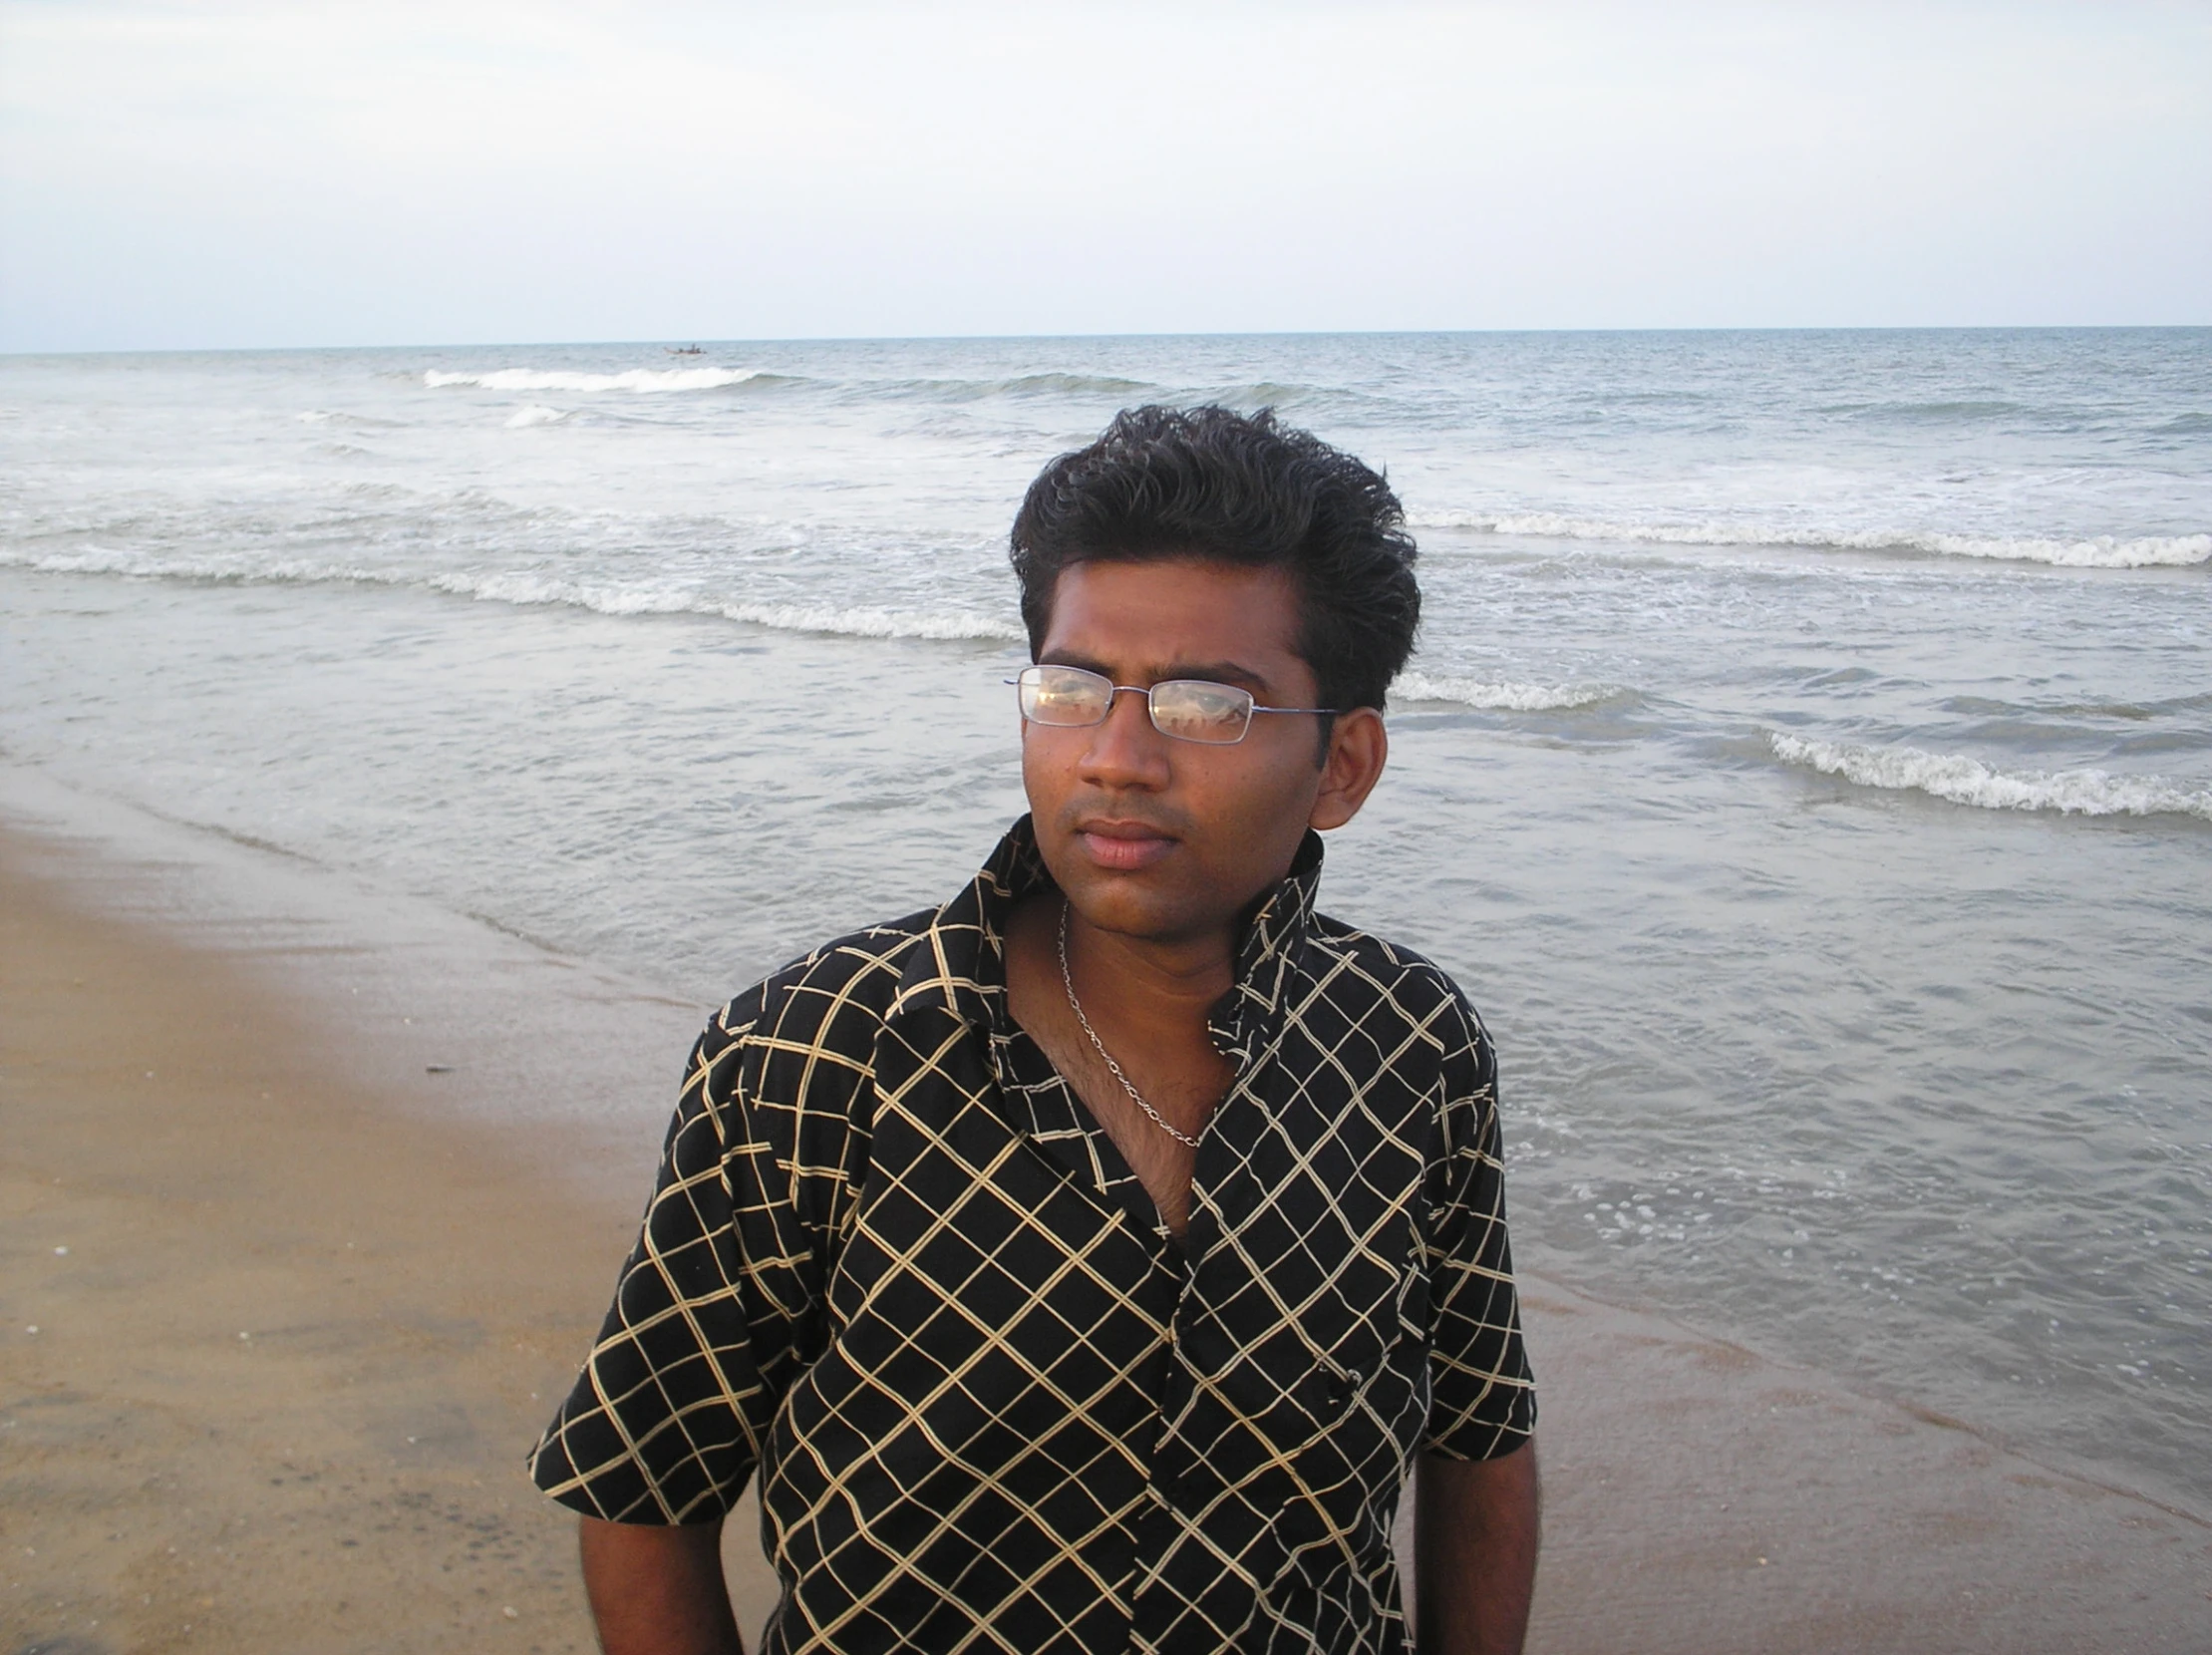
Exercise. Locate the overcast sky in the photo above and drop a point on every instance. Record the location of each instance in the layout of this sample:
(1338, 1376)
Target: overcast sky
(242, 174)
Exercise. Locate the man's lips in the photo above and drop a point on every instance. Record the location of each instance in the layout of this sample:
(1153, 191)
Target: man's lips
(1122, 846)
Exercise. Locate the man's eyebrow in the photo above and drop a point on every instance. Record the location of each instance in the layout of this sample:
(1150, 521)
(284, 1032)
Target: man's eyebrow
(1073, 658)
(1216, 672)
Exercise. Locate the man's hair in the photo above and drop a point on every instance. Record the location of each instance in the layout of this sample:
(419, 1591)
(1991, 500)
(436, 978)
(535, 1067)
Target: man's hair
(1241, 489)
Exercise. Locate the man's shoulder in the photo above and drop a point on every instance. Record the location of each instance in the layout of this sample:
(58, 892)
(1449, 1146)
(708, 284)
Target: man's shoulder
(834, 994)
(1369, 965)
(1413, 1022)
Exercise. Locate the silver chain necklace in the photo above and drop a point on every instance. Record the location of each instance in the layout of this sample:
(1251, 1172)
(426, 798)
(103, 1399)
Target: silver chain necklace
(1067, 980)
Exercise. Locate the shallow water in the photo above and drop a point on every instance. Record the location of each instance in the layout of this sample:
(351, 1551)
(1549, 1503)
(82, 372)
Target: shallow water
(1808, 770)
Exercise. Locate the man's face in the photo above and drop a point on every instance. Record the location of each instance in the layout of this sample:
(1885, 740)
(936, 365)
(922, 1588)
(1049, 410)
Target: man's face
(1152, 837)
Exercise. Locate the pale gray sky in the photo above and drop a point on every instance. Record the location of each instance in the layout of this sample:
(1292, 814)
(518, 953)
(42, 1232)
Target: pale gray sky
(257, 174)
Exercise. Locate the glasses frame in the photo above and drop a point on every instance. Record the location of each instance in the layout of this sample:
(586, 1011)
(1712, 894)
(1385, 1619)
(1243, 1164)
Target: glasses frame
(1151, 711)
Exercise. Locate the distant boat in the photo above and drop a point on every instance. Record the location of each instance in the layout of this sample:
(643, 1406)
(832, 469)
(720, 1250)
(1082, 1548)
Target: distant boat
(685, 350)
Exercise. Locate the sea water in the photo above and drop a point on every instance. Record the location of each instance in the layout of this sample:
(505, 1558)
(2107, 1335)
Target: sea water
(1807, 768)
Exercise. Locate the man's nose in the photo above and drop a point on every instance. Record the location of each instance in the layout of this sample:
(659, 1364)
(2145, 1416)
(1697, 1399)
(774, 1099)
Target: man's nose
(1125, 750)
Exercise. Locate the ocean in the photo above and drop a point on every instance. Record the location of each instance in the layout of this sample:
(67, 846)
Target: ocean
(1806, 768)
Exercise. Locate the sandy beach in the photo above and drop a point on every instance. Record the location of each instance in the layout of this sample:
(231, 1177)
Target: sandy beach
(279, 1318)
(290, 1345)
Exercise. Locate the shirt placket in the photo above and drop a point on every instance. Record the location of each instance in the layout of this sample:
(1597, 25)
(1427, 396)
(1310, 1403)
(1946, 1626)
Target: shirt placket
(1182, 1482)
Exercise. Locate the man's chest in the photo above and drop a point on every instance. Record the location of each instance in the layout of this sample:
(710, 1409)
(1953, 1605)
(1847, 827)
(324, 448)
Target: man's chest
(1002, 1247)
(1019, 1372)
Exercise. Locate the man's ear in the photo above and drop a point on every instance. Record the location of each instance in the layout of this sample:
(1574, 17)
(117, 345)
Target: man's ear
(1358, 747)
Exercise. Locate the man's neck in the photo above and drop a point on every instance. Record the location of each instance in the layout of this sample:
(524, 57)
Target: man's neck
(1147, 982)
(1146, 1004)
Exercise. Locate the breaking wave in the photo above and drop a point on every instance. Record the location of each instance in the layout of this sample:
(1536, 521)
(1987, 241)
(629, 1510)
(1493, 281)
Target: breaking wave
(862, 621)
(536, 414)
(871, 623)
(2098, 551)
(643, 381)
(525, 588)
(1963, 781)
(1505, 697)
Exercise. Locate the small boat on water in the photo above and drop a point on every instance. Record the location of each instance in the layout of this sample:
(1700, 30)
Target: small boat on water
(684, 350)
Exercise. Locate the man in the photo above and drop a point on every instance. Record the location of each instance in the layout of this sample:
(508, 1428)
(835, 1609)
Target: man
(1084, 1263)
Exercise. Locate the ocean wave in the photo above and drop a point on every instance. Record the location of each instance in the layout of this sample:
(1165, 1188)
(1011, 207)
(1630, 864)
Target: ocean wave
(643, 381)
(1070, 383)
(1498, 697)
(527, 588)
(1018, 385)
(1933, 410)
(1266, 393)
(946, 624)
(536, 414)
(342, 417)
(2099, 552)
(1963, 781)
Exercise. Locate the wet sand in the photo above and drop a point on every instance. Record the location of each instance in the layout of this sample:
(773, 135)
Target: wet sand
(286, 1369)
(297, 1321)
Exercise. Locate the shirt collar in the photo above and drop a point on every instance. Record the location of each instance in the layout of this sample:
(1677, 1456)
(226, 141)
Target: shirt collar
(1273, 940)
(962, 966)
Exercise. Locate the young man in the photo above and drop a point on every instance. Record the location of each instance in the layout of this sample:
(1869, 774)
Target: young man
(1084, 1264)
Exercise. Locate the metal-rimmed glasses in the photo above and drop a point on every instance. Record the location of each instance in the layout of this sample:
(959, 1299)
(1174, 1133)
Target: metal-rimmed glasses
(1188, 709)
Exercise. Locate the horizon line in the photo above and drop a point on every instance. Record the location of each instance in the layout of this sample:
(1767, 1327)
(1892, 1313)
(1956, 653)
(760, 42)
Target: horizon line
(668, 341)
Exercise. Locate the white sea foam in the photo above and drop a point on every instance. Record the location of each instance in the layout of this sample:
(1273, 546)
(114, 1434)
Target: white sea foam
(872, 623)
(1505, 697)
(2099, 552)
(1963, 781)
(527, 588)
(536, 414)
(643, 381)
(147, 565)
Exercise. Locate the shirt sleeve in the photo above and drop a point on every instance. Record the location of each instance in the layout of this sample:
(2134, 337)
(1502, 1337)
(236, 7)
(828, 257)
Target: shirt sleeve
(716, 1308)
(1482, 1396)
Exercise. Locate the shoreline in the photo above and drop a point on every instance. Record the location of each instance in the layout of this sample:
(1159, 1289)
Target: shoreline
(317, 1301)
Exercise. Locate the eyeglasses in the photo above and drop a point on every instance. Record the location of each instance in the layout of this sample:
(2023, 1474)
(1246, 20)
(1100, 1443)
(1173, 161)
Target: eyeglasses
(1188, 709)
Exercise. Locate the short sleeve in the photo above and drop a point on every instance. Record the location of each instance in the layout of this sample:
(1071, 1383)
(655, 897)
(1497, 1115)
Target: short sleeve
(712, 1313)
(1483, 1395)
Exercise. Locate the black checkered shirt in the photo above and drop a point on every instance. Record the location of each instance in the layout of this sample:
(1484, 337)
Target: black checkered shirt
(893, 1262)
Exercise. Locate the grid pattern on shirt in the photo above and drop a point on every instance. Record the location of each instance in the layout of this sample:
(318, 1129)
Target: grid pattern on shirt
(893, 1261)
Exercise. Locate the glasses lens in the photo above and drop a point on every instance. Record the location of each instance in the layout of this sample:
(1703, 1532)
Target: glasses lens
(1194, 711)
(1064, 695)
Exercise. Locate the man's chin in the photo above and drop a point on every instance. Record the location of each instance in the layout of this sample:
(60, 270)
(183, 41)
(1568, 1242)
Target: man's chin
(1145, 901)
